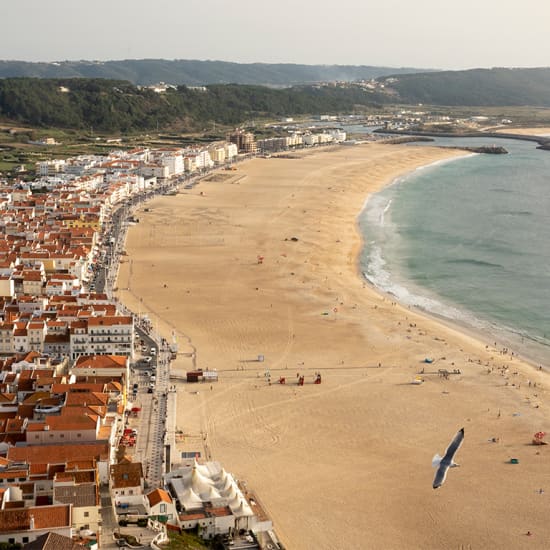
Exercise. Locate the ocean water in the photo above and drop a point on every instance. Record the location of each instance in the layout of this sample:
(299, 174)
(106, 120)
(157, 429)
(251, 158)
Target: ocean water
(469, 240)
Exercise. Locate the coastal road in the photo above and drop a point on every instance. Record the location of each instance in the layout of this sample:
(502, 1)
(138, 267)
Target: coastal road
(150, 447)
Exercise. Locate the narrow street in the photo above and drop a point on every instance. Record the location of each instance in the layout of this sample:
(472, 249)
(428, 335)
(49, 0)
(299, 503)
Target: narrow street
(151, 420)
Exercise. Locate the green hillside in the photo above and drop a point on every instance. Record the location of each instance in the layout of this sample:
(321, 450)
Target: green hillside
(118, 106)
(477, 87)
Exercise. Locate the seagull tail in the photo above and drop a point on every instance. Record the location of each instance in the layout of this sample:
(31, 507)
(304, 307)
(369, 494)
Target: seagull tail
(436, 460)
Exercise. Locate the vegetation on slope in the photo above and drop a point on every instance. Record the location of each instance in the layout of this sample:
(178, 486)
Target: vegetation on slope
(477, 87)
(118, 106)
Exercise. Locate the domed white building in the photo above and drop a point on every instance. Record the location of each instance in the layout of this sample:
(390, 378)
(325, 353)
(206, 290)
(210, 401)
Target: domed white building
(210, 498)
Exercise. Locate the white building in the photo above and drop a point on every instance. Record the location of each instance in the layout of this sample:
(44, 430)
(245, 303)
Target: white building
(105, 335)
(295, 140)
(338, 135)
(189, 163)
(82, 164)
(159, 505)
(50, 167)
(217, 154)
(231, 150)
(6, 338)
(203, 160)
(310, 139)
(324, 138)
(7, 286)
(174, 163)
(155, 171)
(211, 498)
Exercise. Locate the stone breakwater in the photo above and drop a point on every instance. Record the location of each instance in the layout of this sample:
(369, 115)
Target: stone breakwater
(485, 149)
(544, 142)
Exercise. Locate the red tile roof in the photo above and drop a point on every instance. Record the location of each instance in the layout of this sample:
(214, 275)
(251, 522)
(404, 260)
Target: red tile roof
(45, 517)
(58, 454)
(157, 496)
(101, 361)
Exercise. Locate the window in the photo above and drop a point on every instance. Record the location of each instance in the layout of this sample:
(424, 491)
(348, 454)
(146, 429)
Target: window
(163, 508)
(25, 540)
(86, 514)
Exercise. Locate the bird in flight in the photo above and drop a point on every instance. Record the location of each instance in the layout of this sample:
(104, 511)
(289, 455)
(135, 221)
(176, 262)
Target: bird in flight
(447, 461)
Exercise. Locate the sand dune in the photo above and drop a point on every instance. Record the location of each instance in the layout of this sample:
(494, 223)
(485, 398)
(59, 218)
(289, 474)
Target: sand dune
(345, 464)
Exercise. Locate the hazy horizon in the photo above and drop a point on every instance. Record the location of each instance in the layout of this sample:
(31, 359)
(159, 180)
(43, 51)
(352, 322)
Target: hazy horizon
(270, 63)
(398, 33)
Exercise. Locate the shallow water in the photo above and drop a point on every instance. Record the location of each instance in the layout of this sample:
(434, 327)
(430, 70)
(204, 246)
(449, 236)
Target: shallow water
(469, 240)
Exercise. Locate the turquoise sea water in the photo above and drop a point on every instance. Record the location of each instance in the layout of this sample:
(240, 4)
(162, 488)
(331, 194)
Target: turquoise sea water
(469, 240)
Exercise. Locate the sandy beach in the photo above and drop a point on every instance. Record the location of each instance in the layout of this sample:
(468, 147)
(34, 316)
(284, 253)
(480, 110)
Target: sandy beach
(541, 131)
(263, 261)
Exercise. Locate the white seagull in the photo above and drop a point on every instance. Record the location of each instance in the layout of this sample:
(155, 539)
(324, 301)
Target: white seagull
(444, 463)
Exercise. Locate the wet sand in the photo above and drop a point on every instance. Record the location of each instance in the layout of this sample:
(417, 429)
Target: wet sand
(347, 463)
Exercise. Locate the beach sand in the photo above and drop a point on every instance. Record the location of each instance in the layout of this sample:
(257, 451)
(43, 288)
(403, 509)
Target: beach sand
(345, 464)
(543, 132)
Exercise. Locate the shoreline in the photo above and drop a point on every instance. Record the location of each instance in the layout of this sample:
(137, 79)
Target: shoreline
(528, 348)
(490, 333)
(363, 415)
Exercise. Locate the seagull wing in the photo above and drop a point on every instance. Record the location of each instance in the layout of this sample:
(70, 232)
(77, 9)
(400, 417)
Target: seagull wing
(440, 475)
(447, 460)
(453, 446)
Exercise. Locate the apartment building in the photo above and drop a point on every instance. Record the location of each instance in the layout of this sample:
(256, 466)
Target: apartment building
(102, 335)
(244, 141)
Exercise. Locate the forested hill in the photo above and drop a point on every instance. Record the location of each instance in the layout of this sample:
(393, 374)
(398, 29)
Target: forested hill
(192, 72)
(476, 87)
(118, 106)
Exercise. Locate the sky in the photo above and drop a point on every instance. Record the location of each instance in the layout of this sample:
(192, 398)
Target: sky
(437, 34)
